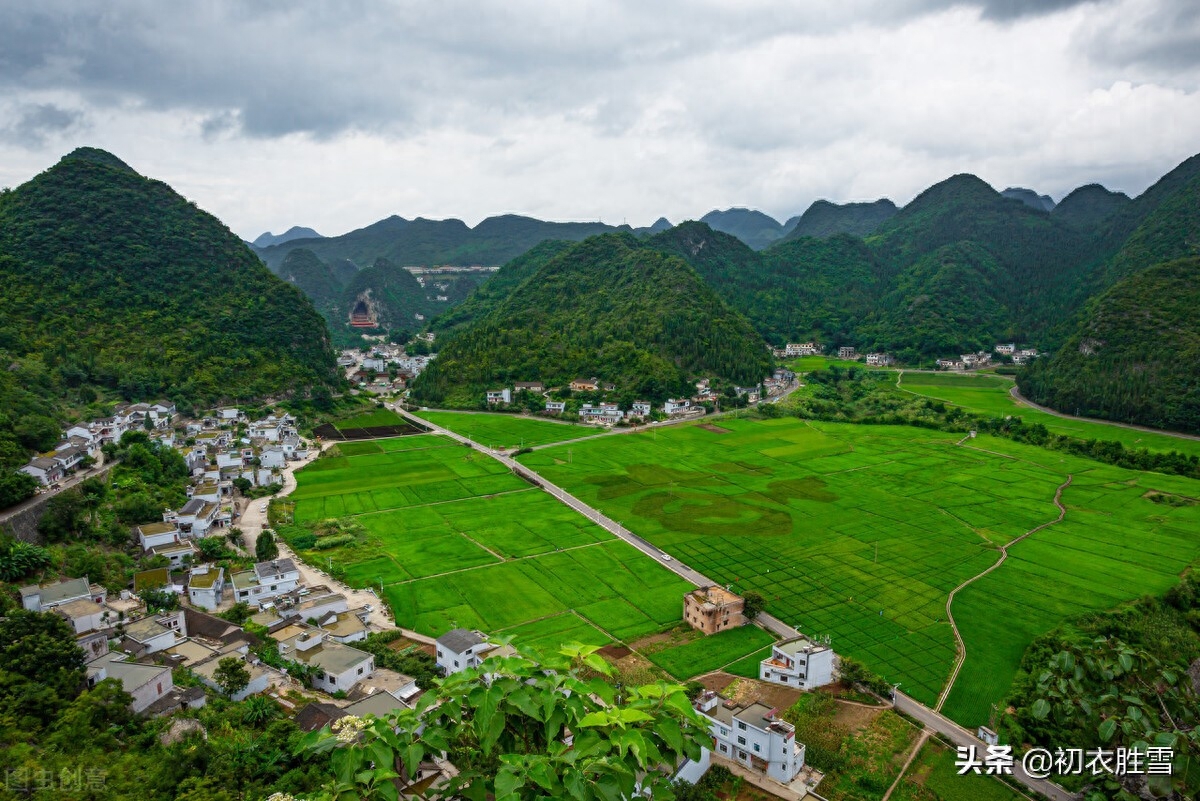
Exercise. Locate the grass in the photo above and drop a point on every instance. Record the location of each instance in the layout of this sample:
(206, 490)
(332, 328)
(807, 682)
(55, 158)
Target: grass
(371, 419)
(712, 652)
(933, 777)
(860, 533)
(454, 539)
(507, 430)
(987, 395)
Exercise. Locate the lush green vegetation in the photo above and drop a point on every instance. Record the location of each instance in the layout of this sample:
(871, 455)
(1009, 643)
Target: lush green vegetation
(505, 430)
(454, 539)
(1122, 677)
(112, 283)
(59, 738)
(1134, 357)
(861, 532)
(714, 652)
(610, 308)
(376, 418)
(933, 777)
(752, 227)
(824, 219)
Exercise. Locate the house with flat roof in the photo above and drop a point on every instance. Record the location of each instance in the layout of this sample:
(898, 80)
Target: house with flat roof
(459, 649)
(84, 615)
(146, 683)
(196, 517)
(713, 609)
(499, 396)
(153, 633)
(798, 662)
(260, 677)
(43, 597)
(338, 666)
(206, 586)
(152, 534)
(754, 736)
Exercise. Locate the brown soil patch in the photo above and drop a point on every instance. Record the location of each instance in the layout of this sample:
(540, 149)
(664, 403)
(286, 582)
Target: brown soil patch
(614, 652)
(747, 691)
(404, 642)
(716, 681)
(714, 429)
(656, 642)
(855, 718)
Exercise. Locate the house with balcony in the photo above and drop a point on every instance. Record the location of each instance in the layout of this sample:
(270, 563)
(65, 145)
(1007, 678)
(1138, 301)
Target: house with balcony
(798, 662)
(754, 736)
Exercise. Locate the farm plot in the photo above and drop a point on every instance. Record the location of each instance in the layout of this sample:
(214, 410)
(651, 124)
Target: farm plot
(506, 430)
(454, 539)
(860, 533)
(987, 395)
(713, 652)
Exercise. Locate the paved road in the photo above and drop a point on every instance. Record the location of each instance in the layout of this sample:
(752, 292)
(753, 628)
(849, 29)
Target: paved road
(1021, 399)
(960, 736)
(63, 486)
(767, 621)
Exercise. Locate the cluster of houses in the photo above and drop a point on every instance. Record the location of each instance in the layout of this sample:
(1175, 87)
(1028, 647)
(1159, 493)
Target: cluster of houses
(374, 368)
(123, 641)
(609, 414)
(1018, 355)
(845, 352)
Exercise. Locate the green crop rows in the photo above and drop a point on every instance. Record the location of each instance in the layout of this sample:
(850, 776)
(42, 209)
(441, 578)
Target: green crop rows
(371, 419)
(715, 651)
(454, 539)
(860, 533)
(506, 430)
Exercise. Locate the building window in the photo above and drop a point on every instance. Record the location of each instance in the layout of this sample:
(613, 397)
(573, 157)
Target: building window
(757, 747)
(724, 749)
(360, 670)
(456, 663)
(724, 731)
(741, 741)
(741, 725)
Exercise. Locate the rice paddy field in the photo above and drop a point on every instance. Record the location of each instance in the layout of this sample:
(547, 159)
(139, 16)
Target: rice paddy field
(507, 430)
(989, 395)
(454, 539)
(861, 532)
(371, 419)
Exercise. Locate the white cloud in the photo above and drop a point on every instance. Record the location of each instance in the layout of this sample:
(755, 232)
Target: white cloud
(336, 115)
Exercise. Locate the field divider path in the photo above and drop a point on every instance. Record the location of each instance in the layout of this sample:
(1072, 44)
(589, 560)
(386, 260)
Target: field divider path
(961, 645)
(765, 620)
(502, 559)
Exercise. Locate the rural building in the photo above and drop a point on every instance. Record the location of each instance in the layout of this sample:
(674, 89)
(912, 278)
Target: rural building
(1006, 350)
(798, 662)
(713, 609)
(459, 649)
(753, 736)
(146, 683)
(556, 407)
(266, 581)
(847, 352)
(879, 360)
(640, 409)
(499, 395)
(152, 534)
(44, 597)
(676, 405)
(206, 585)
(584, 385)
(529, 386)
(801, 349)
(339, 667)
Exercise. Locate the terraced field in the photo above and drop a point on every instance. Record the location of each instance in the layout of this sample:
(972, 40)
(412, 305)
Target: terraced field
(860, 533)
(454, 539)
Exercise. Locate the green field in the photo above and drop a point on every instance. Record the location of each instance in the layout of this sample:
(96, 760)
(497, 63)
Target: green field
(988, 395)
(455, 539)
(933, 777)
(806, 364)
(860, 533)
(371, 419)
(706, 654)
(506, 430)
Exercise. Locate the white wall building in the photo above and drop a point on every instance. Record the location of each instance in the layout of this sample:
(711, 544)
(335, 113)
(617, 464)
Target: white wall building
(753, 736)
(799, 663)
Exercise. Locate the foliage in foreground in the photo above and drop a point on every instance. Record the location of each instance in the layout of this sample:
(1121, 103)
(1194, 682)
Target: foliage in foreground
(504, 725)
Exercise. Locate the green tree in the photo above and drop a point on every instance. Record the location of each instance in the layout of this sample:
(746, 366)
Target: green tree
(503, 723)
(265, 548)
(19, 559)
(753, 603)
(159, 600)
(231, 675)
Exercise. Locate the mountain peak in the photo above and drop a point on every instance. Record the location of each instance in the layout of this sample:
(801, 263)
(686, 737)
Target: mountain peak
(97, 156)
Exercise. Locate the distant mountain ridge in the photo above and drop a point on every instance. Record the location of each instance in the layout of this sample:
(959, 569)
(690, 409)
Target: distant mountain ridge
(1030, 198)
(824, 219)
(295, 232)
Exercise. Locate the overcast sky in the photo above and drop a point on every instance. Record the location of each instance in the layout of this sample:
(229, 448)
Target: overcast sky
(335, 115)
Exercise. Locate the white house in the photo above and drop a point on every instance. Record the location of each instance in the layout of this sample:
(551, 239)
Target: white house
(753, 736)
(206, 585)
(459, 649)
(146, 683)
(45, 469)
(339, 667)
(155, 633)
(847, 352)
(556, 407)
(317, 606)
(499, 395)
(229, 415)
(260, 678)
(801, 349)
(42, 598)
(272, 457)
(177, 553)
(798, 662)
(85, 615)
(879, 360)
(640, 409)
(266, 581)
(151, 535)
(196, 517)
(676, 405)
(1006, 350)
(606, 413)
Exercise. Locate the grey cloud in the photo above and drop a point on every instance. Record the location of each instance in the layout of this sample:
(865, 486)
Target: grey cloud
(1160, 34)
(1007, 10)
(34, 123)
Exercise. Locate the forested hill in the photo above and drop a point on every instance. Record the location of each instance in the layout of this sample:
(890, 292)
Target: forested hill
(113, 284)
(608, 307)
(824, 219)
(1134, 357)
(403, 242)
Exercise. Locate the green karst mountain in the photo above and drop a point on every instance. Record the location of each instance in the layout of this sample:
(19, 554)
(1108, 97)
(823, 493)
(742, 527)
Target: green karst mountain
(1088, 207)
(608, 307)
(824, 219)
(1134, 357)
(111, 284)
(756, 229)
